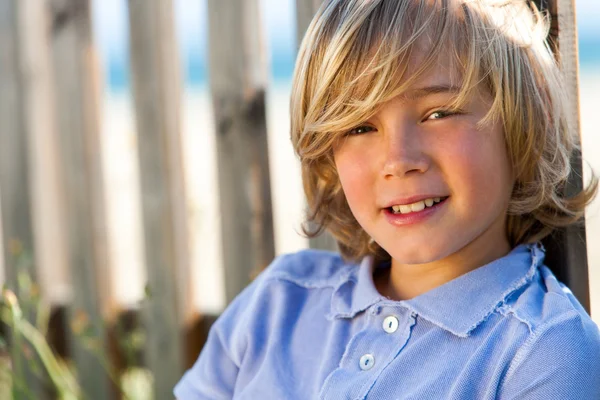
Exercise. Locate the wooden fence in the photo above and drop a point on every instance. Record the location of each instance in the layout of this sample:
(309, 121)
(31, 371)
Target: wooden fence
(49, 137)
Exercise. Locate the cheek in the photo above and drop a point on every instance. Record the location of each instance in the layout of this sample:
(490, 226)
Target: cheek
(481, 169)
(354, 174)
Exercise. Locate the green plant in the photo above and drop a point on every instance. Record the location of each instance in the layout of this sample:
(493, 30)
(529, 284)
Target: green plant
(26, 319)
(22, 330)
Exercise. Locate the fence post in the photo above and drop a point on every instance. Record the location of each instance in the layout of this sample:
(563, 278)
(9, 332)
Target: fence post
(305, 11)
(76, 100)
(238, 75)
(157, 95)
(567, 248)
(24, 106)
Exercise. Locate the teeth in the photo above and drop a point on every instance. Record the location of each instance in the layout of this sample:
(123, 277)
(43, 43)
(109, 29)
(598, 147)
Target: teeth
(404, 209)
(418, 206)
(415, 207)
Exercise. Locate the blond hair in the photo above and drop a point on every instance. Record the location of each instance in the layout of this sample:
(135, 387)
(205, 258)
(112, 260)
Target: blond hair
(354, 58)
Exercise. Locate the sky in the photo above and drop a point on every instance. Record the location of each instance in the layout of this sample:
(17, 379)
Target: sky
(111, 33)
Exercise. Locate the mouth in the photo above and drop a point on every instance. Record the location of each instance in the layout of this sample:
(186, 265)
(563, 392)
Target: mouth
(417, 206)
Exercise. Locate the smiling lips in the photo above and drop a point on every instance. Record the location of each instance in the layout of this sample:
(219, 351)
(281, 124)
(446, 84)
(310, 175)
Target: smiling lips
(416, 206)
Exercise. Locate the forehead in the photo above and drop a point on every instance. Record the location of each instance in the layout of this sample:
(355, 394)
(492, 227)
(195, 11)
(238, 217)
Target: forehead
(443, 70)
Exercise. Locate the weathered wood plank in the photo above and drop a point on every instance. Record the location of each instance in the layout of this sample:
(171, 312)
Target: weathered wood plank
(15, 136)
(567, 249)
(157, 94)
(305, 11)
(237, 80)
(48, 207)
(78, 125)
(20, 102)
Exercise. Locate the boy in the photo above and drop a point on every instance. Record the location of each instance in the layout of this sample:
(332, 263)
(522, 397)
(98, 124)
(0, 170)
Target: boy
(434, 145)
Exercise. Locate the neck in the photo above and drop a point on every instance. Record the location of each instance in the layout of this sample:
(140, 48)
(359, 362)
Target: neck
(405, 281)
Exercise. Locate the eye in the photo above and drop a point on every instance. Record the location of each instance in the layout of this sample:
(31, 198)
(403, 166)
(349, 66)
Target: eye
(441, 114)
(360, 130)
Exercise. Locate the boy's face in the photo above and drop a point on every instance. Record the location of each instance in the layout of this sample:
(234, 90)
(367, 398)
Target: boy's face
(412, 154)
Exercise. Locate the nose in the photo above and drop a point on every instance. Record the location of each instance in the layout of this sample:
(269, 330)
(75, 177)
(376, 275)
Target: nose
(405, 153)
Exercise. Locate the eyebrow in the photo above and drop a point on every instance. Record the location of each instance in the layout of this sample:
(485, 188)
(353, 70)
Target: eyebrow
(417, 93)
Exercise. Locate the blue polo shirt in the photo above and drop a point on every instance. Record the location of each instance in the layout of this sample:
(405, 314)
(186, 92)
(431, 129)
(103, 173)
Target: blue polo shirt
(314, 327)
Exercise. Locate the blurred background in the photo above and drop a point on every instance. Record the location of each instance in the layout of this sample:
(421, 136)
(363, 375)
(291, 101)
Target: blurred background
(123, 274)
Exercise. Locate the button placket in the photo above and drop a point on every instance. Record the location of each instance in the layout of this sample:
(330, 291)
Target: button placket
(390, 325)
(369, 352)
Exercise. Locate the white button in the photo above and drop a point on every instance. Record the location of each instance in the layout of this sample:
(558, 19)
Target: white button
(366, 362)
(390, 324)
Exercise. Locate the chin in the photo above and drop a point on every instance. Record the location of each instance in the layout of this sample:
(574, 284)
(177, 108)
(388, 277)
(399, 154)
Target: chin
(419, 253)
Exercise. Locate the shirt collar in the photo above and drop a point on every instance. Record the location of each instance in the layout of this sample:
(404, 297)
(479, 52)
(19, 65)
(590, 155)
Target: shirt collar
(457, 306)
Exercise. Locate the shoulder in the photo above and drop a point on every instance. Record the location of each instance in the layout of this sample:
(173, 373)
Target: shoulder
(559, 359)
(310, 269)
(269, 298)
(544, 300)
(562, 349)
(270, 292)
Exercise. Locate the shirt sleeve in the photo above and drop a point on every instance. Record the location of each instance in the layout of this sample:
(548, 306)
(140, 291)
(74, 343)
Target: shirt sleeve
(213, 376)
(560, 361)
